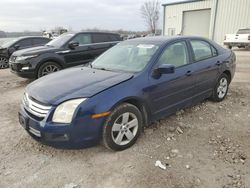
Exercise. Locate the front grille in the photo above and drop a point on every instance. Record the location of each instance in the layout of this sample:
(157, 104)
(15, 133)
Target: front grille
(34, 107)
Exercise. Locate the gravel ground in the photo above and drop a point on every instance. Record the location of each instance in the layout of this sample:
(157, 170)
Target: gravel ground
(207, 145)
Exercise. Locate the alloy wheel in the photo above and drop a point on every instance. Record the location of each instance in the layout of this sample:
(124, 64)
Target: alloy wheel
(49, 69)
(124, 128)
(222, 88)
(4, 63)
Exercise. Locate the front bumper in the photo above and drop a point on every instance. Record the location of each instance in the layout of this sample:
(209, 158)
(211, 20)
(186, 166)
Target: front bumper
(23, 74)
(16, 67)
(237, 44)
(83, 131)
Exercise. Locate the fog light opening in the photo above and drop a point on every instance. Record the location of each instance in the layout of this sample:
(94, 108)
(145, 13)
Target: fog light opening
(26, 67)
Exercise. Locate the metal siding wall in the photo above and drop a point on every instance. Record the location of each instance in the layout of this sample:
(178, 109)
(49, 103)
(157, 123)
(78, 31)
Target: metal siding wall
(173, 13)
(231, 15)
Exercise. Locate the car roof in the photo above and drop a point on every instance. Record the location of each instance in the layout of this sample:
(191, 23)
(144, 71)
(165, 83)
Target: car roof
(27, 37)
(92, 32)
(159, 40)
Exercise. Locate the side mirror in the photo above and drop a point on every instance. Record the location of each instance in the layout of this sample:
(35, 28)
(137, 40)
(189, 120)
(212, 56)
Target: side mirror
(73, 44)
(163, 69)
(16, 47)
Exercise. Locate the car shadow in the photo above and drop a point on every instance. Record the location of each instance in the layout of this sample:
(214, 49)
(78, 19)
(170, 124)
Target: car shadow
(23, 83)
(241, 49)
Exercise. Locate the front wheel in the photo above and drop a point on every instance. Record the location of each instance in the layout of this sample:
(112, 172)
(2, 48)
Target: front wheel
(221, 88)
(122, 127)
(4, 63)
(48, 68)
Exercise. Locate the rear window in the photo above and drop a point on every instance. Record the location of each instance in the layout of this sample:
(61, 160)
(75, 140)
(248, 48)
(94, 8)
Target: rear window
(202, 50)
(244, 31)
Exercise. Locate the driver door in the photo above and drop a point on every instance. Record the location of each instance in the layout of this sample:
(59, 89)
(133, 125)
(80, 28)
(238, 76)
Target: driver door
(172, 91)
(81, 54)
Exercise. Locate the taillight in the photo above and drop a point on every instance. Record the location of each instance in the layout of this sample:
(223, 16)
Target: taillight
(248, 37)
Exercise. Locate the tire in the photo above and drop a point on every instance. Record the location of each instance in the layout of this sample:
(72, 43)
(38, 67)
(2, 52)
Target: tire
(229, 47)
(221, 88)
(48, 68)
(116, 133)
(4, 63)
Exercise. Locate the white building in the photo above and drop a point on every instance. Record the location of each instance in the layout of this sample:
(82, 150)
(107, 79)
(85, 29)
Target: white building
(208, 18)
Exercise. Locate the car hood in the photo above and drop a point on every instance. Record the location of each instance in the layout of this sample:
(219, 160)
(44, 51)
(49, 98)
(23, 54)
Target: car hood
(73, 83)
(35, 50)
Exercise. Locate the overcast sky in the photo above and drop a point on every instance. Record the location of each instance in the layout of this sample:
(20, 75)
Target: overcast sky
(35, 15)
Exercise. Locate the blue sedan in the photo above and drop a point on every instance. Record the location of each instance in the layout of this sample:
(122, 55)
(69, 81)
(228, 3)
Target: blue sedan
(131, 85)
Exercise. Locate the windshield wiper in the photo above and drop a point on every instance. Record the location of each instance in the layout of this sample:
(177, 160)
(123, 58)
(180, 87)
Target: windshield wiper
(100, 68)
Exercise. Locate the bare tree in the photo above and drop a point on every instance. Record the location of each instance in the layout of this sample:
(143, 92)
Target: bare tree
(150, 13)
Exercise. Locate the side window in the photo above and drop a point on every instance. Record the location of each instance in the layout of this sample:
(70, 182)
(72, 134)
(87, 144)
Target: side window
(24, 43)
(202, 50)
(176, 54)
(97, 38)
(83, 39)
(114, 38)
(39, 41)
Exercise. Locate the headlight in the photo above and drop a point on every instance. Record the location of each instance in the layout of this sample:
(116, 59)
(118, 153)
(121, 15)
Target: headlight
(20, 58)
(65, 111)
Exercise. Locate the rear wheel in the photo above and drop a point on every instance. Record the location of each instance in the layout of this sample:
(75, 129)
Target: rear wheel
(4, 63)
(221, 88)
(48, 68)
(122, 127)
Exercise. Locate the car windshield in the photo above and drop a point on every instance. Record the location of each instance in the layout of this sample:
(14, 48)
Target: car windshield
(244, 31)
(8, 42)
(60, 41)
(126, 57)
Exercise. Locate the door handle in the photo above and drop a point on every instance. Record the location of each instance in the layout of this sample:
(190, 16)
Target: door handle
(218, 63)
(189, 73)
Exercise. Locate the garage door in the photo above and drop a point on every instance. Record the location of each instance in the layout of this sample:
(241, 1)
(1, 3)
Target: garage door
(196, 22)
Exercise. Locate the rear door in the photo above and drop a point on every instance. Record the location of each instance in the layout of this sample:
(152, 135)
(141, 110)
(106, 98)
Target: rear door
(206, 66)
(172, 91)
(81, 54)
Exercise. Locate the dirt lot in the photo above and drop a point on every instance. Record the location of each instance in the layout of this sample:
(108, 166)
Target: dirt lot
(204, 146)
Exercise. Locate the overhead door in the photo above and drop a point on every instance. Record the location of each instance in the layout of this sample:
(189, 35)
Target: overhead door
(196, 22)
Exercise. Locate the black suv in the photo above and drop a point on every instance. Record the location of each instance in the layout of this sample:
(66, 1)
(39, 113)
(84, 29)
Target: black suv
(7, 48)
(69, 49)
